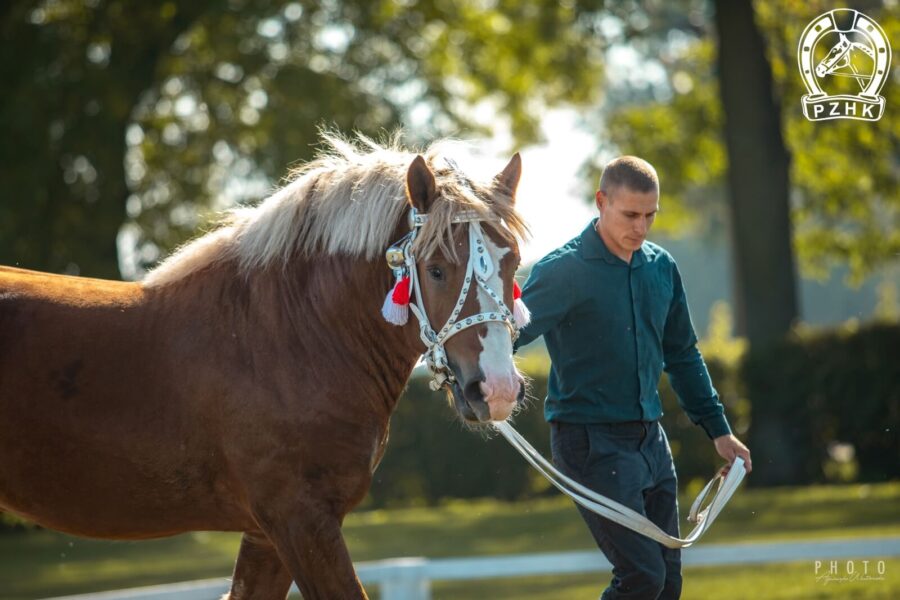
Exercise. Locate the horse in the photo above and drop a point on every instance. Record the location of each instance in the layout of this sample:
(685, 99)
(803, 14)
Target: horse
(247, 382)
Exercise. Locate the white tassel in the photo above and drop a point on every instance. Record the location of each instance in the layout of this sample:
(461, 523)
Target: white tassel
(521, 313)
(396, 314)
(396, 305)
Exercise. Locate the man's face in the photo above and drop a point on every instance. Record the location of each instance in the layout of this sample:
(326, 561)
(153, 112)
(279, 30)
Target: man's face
(626, 216)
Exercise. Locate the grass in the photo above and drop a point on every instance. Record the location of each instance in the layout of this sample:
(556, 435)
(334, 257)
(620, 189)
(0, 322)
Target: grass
(43, 563)
(762, 582)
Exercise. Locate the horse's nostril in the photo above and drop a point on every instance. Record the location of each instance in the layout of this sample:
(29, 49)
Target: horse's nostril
(472, 391)
(521, 395)
(475, 399)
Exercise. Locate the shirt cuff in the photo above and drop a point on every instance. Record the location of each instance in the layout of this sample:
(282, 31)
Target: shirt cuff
(715, 426)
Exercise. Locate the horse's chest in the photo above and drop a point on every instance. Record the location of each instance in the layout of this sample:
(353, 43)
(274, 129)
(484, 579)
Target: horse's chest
(380, 446)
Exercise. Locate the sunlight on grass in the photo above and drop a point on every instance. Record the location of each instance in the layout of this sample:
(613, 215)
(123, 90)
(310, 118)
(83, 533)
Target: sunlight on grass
(769, 582)
(41, 563)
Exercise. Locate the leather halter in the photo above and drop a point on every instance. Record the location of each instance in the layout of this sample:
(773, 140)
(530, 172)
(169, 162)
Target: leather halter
(479, 268)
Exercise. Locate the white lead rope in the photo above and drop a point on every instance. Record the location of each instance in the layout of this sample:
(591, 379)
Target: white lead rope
(621, 514)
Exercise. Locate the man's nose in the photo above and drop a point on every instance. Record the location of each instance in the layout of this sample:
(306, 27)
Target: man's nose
(641, 226)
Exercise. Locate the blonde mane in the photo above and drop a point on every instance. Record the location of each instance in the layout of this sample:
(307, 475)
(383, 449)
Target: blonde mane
(348, 201)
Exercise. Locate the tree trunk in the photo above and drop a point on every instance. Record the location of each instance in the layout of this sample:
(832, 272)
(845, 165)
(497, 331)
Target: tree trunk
(758, 184)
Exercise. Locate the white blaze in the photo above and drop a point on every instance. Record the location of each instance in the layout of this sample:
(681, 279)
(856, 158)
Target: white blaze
(501, 384)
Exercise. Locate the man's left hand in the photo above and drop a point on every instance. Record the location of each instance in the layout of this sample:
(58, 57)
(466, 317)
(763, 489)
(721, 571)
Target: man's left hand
(730, 447)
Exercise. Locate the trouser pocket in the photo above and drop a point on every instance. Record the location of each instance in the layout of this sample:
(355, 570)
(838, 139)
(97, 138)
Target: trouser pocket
(570, 446)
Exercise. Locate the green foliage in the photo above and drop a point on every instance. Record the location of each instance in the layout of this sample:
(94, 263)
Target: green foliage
(72, 72)
(837, 396)
(682, 138)
(431, 455)
(846, 200)
(155, 114)
(10, 523)
(845, 184)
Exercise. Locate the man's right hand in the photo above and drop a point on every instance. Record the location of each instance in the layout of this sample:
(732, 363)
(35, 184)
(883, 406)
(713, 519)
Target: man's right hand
(729, 448)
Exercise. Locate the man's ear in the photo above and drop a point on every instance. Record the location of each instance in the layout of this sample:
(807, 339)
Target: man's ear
(420, 185)
(601, 199)
(509, 176)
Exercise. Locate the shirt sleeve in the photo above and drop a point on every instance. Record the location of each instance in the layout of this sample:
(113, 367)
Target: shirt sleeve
(686, 369)
(544, 294)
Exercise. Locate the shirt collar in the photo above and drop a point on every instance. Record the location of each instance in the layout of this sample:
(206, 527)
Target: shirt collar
(592, 246)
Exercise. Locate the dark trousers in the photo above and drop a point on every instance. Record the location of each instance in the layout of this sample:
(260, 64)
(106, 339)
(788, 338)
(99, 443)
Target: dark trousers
(630, 463)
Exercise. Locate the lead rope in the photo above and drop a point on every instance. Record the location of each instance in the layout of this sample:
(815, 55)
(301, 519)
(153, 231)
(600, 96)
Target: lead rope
(618, 513)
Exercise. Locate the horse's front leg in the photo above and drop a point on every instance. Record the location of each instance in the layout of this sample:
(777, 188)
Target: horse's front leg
(259, 573)
(309, 540)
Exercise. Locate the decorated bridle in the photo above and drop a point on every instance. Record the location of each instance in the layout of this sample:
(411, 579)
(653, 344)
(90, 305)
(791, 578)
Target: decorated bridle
(407, 295)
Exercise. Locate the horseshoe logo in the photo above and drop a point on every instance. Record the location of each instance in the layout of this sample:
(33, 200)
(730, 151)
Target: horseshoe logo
(843, 44)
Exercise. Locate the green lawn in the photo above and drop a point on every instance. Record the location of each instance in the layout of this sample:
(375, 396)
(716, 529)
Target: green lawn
(42, 563)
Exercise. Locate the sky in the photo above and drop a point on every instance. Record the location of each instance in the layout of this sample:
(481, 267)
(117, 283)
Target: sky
(552, 195)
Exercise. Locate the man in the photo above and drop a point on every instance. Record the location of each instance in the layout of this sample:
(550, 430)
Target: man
(612, 310)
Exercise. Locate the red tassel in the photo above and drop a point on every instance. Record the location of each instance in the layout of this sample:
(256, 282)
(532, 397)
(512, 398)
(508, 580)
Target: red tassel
(520, 312)
(395, 309)
(401, 292)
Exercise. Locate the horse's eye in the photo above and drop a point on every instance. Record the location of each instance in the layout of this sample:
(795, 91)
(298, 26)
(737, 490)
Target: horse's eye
(436, 273)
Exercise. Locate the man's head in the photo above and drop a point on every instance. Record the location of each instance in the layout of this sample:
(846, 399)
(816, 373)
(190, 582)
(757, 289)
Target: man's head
(628, 200)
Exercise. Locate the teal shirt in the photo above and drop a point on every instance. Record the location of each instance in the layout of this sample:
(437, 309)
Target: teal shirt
(611, 328)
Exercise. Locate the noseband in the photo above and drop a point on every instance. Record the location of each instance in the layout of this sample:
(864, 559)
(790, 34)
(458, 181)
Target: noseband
(479, 268)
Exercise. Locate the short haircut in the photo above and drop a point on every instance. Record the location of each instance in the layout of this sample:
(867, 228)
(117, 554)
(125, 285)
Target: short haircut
(631, 172)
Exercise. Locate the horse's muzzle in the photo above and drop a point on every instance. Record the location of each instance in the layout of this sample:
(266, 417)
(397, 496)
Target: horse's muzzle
(478, 402)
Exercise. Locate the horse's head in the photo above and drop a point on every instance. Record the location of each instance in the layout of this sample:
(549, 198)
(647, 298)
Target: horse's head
(465, 275)
(837, 57)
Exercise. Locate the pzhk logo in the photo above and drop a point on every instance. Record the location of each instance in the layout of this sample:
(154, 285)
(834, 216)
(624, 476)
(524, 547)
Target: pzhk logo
(844, 59)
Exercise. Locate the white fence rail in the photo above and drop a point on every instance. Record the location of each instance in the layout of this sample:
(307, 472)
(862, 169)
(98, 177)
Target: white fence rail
(410, 578)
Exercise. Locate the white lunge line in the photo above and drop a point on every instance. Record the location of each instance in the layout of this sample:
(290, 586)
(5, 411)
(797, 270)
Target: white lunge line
(618, 513)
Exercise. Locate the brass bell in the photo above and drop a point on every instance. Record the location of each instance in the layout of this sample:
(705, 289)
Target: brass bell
(395, 257)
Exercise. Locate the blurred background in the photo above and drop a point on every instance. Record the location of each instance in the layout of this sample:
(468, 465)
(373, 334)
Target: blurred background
(128, 125)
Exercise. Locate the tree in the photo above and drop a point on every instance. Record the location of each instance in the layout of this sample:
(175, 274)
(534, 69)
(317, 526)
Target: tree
(764, 274)
(843, 182)
(150, 113)
(66, 103)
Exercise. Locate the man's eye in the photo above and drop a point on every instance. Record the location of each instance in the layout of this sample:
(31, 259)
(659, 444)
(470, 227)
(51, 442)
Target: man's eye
(436, 273)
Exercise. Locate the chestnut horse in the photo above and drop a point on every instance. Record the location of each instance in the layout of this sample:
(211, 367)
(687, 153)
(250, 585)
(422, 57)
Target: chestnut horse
(247, 383)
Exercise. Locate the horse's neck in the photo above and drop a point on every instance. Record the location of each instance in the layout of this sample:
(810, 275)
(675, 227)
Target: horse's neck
(328, 310)
(343, 298)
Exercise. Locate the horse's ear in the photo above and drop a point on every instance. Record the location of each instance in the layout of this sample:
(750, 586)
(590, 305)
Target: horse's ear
(510, 175)
(420, 186)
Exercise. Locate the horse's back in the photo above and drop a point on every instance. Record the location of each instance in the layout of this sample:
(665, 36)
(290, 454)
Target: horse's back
(36, 308)
(22, 284)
